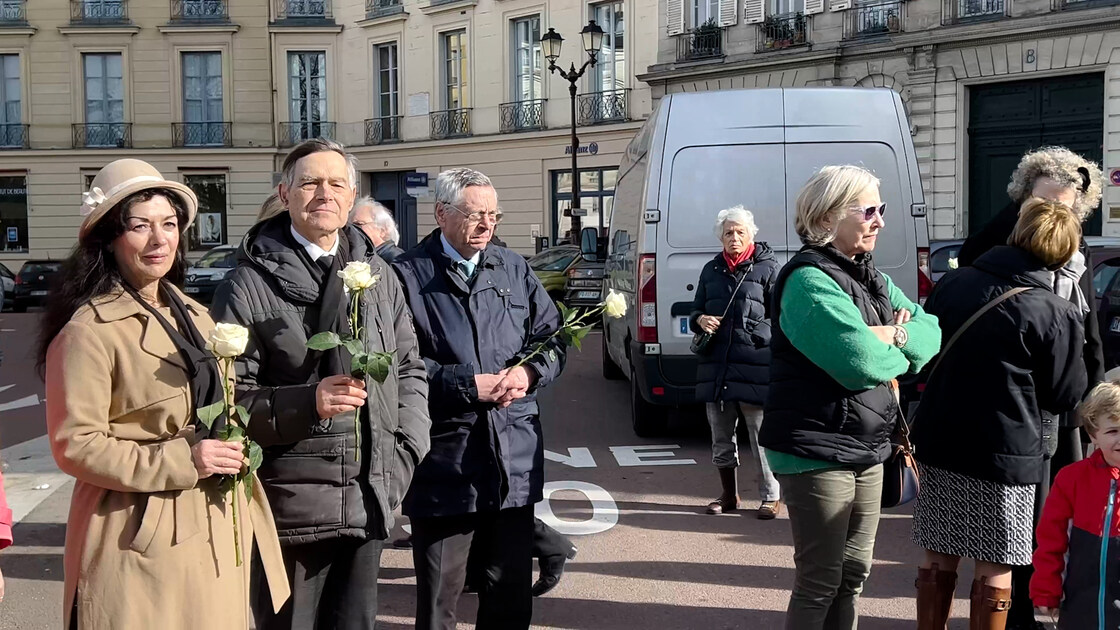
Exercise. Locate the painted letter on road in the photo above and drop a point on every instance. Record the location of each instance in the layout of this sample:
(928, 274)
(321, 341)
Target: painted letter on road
(578, 457)
(630, 455)
(604, 511)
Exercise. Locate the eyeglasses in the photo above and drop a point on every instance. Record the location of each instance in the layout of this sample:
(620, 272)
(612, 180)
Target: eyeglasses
(869, 213)
(476, 217)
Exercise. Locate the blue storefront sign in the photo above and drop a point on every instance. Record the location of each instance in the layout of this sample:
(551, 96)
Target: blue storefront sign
(415, 180)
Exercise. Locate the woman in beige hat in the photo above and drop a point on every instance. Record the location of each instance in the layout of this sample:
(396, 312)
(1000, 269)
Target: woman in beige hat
(150, 538)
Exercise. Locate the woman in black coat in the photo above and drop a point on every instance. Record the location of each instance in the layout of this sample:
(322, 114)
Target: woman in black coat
(732, 302)
(981, 431)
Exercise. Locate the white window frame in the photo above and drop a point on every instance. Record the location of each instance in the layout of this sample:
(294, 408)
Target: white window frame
(449, 59)
(526, 47)
(605, 77)
(704, 10)
(393, 70)
(301, 108)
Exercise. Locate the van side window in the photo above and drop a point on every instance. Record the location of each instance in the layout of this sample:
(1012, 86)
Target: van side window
(621, 243)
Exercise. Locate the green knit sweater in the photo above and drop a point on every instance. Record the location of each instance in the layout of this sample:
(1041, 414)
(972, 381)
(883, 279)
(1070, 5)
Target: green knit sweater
(825, 325)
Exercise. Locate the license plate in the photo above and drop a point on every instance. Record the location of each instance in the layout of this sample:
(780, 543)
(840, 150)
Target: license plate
(191, 290)
(1115, 325)
(38, 293)
(587, 295)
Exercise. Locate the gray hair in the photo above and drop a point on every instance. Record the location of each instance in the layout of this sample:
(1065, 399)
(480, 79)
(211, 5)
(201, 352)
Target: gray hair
(451, 183)
(736, 214)
(1061, 165)
(317, 145)
(379, 216)
(828, 194)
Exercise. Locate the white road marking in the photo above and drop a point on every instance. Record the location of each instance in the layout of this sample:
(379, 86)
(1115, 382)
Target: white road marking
(5, 388)
(26, 401)
(29, 465)
(578, 457)
(604, 510)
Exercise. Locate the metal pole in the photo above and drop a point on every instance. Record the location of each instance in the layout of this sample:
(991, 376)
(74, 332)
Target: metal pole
(577, 222)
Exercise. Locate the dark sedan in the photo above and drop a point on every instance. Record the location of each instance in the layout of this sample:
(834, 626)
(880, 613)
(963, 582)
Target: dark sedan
(205, 275)
(33, 282)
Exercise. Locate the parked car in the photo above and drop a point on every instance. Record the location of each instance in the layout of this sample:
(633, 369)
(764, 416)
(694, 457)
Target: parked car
(205, 275)
(33, 282)
(942, 257)
(585, 283)
(699, 153)
(551, 267)
(1106, 288)
(8, 282)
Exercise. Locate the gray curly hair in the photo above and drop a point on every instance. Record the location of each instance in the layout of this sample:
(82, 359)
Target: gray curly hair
(1061, 165)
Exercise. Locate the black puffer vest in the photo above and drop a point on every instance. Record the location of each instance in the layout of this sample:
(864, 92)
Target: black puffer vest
(808, 413)
(737, 366)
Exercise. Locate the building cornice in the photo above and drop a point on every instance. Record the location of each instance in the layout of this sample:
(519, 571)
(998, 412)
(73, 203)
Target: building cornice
(22, 29)
(626, 129)
(305, 28)
(117, 29)
(454, 5)
(224, 27)
(399, 16)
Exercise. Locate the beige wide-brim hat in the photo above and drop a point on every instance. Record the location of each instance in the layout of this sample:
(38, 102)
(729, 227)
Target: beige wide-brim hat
(119, 179)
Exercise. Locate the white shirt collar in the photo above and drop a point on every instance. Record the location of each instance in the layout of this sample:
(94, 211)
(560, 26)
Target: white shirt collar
(313, 250)
(454, 253)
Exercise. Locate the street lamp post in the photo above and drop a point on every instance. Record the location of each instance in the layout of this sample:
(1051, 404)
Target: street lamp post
(551, 41)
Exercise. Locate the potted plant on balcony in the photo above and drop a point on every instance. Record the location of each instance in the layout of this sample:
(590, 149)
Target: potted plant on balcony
(706, 39)
(798, 29)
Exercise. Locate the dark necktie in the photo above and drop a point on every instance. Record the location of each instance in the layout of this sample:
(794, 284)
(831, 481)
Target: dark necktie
(325, 263)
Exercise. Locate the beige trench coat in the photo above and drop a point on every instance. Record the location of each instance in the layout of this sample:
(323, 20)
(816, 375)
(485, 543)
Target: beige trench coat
(148, 545)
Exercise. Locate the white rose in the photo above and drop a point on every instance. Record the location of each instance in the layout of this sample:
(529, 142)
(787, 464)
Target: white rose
(357, 276)
(615, 304)
(952, 263)
(228, 340)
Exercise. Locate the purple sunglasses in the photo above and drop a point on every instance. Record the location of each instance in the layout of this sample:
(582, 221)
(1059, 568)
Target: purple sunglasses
(869, 213)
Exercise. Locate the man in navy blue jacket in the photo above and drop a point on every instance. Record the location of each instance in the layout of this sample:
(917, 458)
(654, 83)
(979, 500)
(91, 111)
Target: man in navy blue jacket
(480, 315)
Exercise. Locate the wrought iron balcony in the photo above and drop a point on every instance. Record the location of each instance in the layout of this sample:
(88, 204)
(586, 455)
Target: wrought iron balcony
(14, 136)
(199, 11)
(521, 116)
(301, 10)
(102, 135)
(705, 42)
(450, 123)
(957, 11)
(1065, 5)
(873, 20)
(13, 12)
(779, 32)
(604, 107)
(98, 11)
(383, 130)
(202, 134)
(381, 8)
(293, 133)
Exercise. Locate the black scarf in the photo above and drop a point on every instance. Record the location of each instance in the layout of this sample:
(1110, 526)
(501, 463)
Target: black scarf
(862, 270)
(202, 366)
(334, 303)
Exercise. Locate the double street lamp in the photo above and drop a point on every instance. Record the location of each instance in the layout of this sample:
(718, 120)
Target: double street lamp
(551, 41)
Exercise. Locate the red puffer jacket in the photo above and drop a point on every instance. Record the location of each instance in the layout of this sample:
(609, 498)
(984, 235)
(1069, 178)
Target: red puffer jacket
(1079, 533)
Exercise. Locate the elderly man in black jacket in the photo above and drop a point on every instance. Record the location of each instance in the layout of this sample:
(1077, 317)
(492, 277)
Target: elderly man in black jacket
(375, 220)
(332, 495)
(480, 313)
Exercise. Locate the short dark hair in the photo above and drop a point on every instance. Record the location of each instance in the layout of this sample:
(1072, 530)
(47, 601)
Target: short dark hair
(317, 145)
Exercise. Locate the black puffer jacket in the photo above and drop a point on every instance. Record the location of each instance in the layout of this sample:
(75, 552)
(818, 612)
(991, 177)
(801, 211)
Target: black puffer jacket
(737, 366)
(981, 414)
(317, 488)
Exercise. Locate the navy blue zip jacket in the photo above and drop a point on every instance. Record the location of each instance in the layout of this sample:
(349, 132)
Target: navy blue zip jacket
(483, 458)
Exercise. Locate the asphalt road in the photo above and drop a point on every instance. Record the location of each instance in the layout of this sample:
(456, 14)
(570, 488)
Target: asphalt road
(648, 555)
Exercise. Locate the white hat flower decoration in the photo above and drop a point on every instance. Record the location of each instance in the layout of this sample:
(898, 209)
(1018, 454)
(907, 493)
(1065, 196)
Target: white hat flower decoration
(91, 199)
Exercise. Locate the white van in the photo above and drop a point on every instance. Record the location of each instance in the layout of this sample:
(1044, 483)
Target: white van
(702, 152)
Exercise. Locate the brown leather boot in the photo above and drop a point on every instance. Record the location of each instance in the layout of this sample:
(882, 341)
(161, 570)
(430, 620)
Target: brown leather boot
(935, 597)
(729, 500)
(989, 606)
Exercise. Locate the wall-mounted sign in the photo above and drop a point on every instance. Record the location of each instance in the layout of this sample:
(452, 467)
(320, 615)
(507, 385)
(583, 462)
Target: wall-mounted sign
(416, 180)
(587, 149)
(1114, 176)
(13, 234)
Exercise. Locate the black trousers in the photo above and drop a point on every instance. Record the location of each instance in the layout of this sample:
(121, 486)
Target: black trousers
(334, 587)
(503, 543)
(1069, 451)
(547, 542)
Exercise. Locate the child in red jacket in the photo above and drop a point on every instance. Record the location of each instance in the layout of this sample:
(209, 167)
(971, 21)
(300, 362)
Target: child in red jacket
(1079, 532)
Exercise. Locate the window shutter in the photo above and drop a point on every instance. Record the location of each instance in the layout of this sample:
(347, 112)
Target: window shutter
(754, 11)
(675, 21)
(727, 13)
(840, 5)
(813, 7)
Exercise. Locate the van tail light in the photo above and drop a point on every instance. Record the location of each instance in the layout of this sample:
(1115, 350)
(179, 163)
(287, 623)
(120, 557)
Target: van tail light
(925, 285)
(19, 279)
(647, 299)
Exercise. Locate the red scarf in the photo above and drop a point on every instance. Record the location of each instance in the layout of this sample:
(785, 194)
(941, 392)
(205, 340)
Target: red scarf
(733, 263)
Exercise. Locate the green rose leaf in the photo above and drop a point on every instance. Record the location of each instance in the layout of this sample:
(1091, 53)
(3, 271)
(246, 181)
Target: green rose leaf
(208, 414)
(324, 341)
(359, 365)
(380, 365)
(354, 346)
(242, 413)
(256, 456)
(248, 490)
(231, 433)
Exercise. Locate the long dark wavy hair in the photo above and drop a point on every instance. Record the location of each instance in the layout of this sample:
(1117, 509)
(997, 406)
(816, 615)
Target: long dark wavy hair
(91, 269)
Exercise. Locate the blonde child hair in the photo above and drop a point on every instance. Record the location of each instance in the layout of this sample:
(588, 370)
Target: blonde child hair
(1101, 407)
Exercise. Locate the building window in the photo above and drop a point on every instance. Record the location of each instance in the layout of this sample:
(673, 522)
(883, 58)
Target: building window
(455, 70)
(307, 90)
(13, 212)
(11, 112)
(610, 71)
(104, 94)
(704, 10)
(527, 65)
(202, 99)
(786, 7)
(387, 95)
(596, 195)
(209, 227)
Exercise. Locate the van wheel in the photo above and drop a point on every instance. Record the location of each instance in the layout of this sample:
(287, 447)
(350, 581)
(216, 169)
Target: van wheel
(611, 371)
(19, 308)
(648, 420)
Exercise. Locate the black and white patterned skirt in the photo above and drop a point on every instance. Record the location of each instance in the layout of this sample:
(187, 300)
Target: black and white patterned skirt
(972, 518)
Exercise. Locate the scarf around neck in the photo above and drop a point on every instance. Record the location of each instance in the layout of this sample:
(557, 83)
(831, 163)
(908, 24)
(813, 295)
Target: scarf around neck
(1067, 282)
(732, 263)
